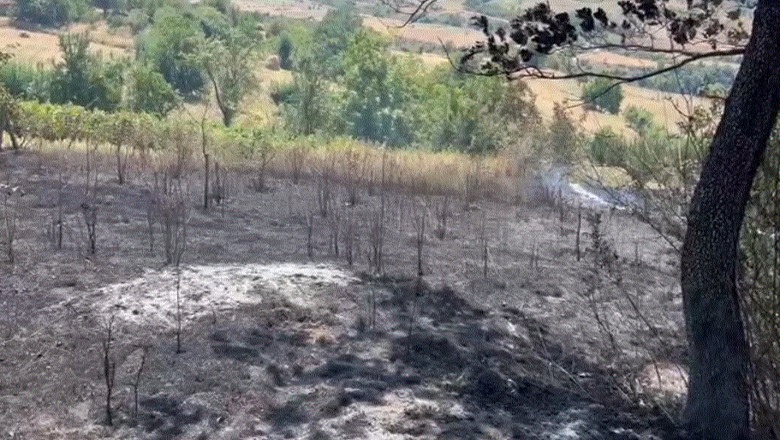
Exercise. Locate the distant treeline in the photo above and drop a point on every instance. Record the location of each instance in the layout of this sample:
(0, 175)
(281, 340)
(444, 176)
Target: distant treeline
(694, 79)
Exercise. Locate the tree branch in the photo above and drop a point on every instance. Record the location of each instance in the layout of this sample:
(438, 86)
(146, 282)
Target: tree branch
(419, 10)
(650, 49)
(535, 72)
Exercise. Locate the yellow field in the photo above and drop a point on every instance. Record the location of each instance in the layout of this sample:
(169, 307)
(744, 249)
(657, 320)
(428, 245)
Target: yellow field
(428, 59)
(424, 32)
(40, 47)
(100, 33)
(661, 105)
(611, 60)
(291, 9)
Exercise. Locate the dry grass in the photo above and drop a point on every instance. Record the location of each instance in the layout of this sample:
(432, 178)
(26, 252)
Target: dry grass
(101, 33)
(660, 104)
(610, 177)
(428, 59)
(257, 109)
(284, 8)
(612, 60)
(36, 47)
(424, 32)
(609, 6)
(416, 172)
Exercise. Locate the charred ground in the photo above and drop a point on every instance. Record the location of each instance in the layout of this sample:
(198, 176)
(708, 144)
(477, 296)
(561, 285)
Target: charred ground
(280, 345)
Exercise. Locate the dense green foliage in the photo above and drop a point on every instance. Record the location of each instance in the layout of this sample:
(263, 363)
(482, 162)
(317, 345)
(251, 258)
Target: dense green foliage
(89, 81)
(331, 38)
(375, 93)
(27, 82)
(563, 137)
(386, 99)
(107, 6)
(639, 119)
(84, 79)
(149, 92)
(286, 48)
(473, 114)
(307, 105)
(698, 79)
(227, 57)
(51, 12)
(169, 45)
(603, 95)
(8, 108)
(346, 80)
(607, 148)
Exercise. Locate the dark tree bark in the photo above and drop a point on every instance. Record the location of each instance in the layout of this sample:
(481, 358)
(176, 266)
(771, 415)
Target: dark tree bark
(718, 403)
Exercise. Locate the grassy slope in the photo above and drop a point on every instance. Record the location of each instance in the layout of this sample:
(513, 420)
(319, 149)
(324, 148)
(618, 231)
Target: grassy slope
(424, 32)
(661, 105)
(43, 47)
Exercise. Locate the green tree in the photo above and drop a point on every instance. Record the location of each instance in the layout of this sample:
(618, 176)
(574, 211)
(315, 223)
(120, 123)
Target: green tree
(333, 35)
(472, 114)
(214, 23)
(228, 62)
(50, 12)
(149, 92)
(607, 148)
(375, 93)
(108, 5)
(603, 95)
(9, 109)
(563, 136)
(286, 49)
(223, 6)
(27, 82)
(150, 7)
(71, 80)
(639, 119)
(169, 47)
(309, 104)
(119, 131)
(84, 79)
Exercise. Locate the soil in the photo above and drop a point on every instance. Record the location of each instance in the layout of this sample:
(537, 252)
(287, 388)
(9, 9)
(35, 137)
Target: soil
(279, 345)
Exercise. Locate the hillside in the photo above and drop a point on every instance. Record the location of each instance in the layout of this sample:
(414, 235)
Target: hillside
(290, 219)
(41, 47)
(30, 46)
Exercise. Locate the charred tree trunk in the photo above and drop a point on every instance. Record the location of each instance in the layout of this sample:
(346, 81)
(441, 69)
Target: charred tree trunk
(718, 404)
